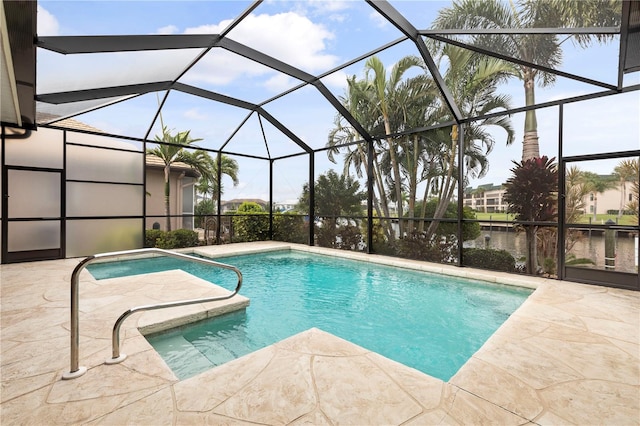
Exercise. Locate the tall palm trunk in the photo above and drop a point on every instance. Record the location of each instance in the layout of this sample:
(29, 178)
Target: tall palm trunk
(379, 205)
(447, 187)
(530, 146)
(425, 200)
(396, 175)
(413, 182)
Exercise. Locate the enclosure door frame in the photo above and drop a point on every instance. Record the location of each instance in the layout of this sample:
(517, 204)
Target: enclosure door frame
(626, 280)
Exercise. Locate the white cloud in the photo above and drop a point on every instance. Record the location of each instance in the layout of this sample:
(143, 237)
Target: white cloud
(194, 114)
(298, 41)
(220, 67)
(328, 6)
(47, 23)
(167, 29)
(280, 83)
(336, 80)
(378, 20)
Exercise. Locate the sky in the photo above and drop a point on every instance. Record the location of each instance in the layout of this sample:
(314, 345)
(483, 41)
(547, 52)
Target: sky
(315, 36)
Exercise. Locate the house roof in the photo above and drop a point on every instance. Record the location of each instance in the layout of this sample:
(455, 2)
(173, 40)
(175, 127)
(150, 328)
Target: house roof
(155, 162)
(152, 161)
(68, 123)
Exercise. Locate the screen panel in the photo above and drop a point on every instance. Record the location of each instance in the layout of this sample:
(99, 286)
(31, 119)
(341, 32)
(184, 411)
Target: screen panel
(87, 237)
(98, 199)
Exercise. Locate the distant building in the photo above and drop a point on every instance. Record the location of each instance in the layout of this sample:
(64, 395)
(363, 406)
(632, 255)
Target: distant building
(233, 205)
(285, 206)
(486, 198)
(489, 198)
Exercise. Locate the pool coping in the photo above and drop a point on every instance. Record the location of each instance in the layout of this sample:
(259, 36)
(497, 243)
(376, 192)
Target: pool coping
(569, 354)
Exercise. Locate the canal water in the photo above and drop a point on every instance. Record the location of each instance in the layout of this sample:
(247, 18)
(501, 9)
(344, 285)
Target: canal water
(589, 247)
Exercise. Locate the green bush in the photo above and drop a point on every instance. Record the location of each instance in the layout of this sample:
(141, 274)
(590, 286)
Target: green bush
(416, 246)
(325, 233)
(151, 236)
(470, 230)
(180, 238)
(350, 237)
(185, 238)
(250, 227)
(497, 260)
(290, 228)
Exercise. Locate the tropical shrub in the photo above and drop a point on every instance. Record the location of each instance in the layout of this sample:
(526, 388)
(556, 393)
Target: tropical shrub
(184, 238)
(498, 260)
(350, 237)
(151, 236)
(326, 232)
(291, 228)
(470, 230)
(250, 223)
(417, 245)
(180, 238)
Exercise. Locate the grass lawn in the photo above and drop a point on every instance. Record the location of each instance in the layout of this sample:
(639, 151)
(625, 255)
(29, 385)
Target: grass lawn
(586, 218)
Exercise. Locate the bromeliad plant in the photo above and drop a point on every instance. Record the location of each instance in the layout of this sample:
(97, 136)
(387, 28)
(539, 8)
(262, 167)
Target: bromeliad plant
(531, 193)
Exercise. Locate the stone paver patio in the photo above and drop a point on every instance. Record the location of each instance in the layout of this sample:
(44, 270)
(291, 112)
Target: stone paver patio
(569, 355)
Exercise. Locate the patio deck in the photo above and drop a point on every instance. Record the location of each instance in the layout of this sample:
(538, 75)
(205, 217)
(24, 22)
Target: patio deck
(569, 355)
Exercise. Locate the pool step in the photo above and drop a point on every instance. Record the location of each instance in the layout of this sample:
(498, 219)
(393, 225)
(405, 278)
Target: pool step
(184, 359)
(220, 351)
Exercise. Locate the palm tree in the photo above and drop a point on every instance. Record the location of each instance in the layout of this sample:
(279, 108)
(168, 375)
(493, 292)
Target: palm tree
(540, 49)
(626, 171)
(171, 151)
(472, 80)
(414, 105)
(575, 193)
(595, 184)
(401, 105)
(635, 190)
(383, 95)
(208, 183)
(356, 155)
(377, 102)
(208, 186)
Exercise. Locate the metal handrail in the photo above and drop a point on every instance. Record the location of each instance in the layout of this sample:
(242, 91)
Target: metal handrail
(75, 370)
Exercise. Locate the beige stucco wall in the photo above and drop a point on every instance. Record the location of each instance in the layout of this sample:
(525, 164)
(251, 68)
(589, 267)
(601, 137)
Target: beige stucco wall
(155, 197)
(608, 200)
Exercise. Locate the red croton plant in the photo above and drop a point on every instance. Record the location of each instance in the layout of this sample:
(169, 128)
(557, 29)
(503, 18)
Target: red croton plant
(531, 194)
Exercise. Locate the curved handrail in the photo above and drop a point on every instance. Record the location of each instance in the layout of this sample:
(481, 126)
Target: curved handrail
(75, 370)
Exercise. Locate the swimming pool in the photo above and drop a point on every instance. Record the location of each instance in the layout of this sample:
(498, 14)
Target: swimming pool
(430, 322)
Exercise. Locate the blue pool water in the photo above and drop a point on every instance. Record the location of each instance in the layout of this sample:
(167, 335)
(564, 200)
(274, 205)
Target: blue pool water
(430, 322)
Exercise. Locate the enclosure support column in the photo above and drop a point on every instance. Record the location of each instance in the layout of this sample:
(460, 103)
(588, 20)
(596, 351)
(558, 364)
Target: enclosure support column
(561, 199)
(312, 198)
(144, 192)
(219, 200)
(460, 190)
(271, 199)
(370, 196)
